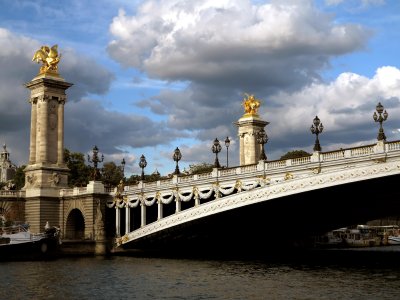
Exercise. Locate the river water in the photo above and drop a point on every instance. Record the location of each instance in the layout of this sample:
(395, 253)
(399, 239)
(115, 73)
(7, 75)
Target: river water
(342, 274)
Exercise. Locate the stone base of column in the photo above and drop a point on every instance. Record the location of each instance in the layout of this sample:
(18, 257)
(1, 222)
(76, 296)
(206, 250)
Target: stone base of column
(45, 181)
(39, 210)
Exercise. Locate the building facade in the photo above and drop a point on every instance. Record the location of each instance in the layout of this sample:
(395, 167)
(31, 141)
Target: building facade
(7, 168)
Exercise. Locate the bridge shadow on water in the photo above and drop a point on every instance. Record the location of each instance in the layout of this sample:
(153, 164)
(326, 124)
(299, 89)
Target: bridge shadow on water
(281, 228)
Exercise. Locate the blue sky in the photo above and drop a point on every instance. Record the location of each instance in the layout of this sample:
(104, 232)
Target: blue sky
(150, 76)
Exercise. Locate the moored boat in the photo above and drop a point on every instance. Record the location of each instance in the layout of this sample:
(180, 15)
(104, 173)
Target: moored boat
(393, 240)
(389, 234)
(17, 242)
(356, 236)
(362, 236)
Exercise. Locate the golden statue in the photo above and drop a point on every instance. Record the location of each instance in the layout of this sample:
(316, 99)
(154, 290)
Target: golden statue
(120, 190)
(49, 58)
(250, 104)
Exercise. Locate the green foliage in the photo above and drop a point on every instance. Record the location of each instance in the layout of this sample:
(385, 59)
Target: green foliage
(134, 179)
(295, 154)
(112, 174)
(19, 178)
(79, 172)
(152, 177)
(200, 168)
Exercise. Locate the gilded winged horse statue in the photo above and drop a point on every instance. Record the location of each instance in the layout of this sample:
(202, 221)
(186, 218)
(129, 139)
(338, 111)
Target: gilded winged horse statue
(49, 58)
(250, 104)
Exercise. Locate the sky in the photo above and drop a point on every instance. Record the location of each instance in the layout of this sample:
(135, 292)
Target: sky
(149, 76)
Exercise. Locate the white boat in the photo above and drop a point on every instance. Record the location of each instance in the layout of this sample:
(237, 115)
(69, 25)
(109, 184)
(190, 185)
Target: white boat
(18, 242)
(362, 236)
(393, 240)
(390, 234)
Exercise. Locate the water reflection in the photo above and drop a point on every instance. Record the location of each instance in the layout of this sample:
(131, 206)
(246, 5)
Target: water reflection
(170, 278)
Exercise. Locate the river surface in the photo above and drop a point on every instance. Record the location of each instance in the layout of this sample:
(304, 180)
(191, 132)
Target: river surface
(351, 274)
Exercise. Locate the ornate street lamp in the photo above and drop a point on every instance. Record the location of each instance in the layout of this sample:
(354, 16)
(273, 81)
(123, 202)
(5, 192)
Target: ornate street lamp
(380, 119)
(227, 143)
(317, 128)
(262, 139)
(123, 166)
(216, 148)
(142, 165)
(177, 157)
(95, 160)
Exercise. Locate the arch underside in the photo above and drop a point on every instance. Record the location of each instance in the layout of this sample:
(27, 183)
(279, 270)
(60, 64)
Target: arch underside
(75, 225)
(289, 220)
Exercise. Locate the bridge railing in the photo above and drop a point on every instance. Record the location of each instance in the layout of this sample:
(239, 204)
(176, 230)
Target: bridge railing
(393, 146)
(12, 193)
(265, 168)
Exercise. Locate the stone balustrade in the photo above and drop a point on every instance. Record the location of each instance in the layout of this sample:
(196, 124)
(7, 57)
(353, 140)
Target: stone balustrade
(12, 193)
(267, 167)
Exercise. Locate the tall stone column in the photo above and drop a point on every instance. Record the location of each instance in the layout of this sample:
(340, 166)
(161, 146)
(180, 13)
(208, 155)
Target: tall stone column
(60, 133)
(43, 136)
(46, 172)
(248, 127)
(32, 147)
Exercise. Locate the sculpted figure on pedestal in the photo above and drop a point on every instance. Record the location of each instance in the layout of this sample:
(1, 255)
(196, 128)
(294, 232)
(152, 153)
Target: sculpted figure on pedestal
(49, 58)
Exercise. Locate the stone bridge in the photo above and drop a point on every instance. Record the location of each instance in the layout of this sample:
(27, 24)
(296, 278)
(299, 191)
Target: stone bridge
(272, 201)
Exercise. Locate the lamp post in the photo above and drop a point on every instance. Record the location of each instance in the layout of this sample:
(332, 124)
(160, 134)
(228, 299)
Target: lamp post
(95, 160)
(177, 157)
(380, 119)
(123, 167)
(216, 148)
(262, 139)
(142, 165)
(227, 143)
(317, 128)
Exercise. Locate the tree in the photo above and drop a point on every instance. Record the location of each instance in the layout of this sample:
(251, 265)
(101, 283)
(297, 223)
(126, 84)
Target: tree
(79, 172)
(19, 178)
(112, 174)
(295, 154)
(153, 177)
(133, 179)
(200, 168)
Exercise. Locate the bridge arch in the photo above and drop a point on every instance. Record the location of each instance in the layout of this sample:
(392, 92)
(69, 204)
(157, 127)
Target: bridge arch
(75, 225)
(305, 198)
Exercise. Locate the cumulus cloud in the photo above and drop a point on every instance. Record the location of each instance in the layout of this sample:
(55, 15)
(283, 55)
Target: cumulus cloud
(232, 42)
(226, 48)
(220, 50)
(345, 106)
(355, 3)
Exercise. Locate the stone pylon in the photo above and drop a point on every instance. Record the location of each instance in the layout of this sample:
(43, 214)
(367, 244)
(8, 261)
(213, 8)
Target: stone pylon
(46, 172)
(248, 127)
